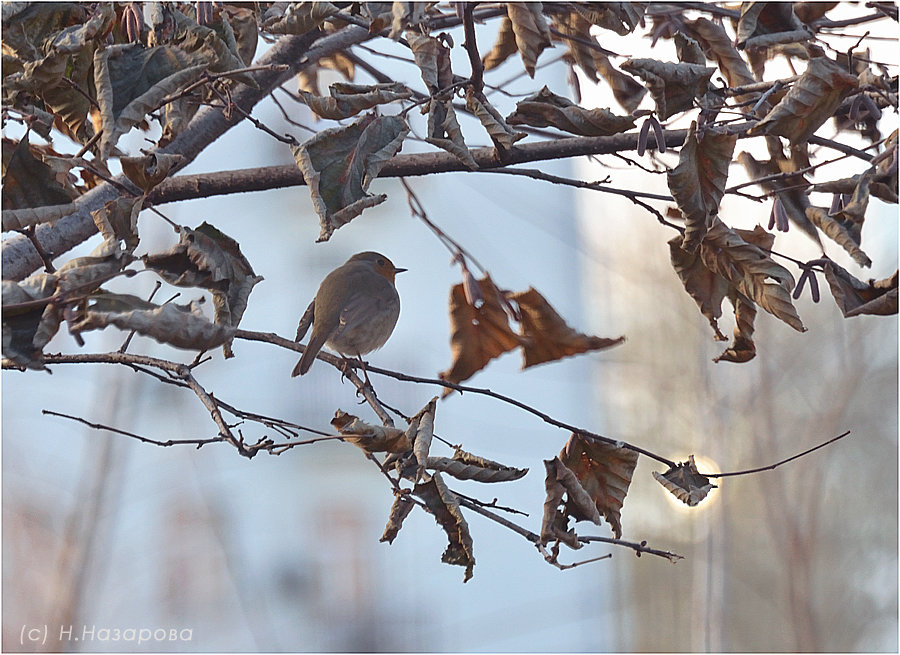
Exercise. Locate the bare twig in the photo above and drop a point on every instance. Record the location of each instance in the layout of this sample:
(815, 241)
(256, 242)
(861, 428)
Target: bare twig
(777, 464)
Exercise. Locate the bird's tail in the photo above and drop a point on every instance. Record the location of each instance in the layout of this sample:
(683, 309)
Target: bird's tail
(312, 349)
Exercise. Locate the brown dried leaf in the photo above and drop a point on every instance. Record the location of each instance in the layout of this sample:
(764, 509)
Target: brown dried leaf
(763, 24)
(627, 91)
(28, 182)
(421, 433)
(349, 99)
(466, 466)
(371, 438)
(500, 132)
(27, 330)
(718, 46)
(838, 232)
(340, 163)
(855, 297)
(531, 31)
(604, 471)
(673, 86)
(149, 170)
(546, 336)
(685, 482)
(698, 182)
(181, 326)
(740, 257)
(742, 349)
(210, 259)
(620, 17)
(445, 508)
(546, 109)
(575, 25)
(560, 482)
(117, 221)
(688, 50)
(504, 46)
(706, 288)
(444, 132)
(400, 509)
(478, 334)
(433, 59)
(297, 17)
(810, 102)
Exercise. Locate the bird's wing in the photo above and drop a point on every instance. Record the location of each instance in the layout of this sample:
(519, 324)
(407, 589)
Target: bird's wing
(305, 321)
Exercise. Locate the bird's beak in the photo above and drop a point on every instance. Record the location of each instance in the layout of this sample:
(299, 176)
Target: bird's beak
(400, 270)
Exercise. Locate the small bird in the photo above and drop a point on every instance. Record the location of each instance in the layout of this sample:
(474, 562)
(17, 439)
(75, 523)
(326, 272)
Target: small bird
(354, 311)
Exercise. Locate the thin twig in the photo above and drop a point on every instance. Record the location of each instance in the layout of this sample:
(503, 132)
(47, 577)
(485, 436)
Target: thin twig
(777, 464)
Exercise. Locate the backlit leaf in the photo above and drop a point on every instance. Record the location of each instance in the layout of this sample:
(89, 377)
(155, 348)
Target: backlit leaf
(340, 163)
(546, 109)
(837, 232)
(855, 297)
(444, 506)
(444, 132)
(685, 482)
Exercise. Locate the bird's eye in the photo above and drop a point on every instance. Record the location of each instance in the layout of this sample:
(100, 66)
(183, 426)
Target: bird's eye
(381, 262)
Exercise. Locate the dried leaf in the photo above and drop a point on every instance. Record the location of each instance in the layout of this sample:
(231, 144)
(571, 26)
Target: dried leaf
(575, 25)
(672, 86)
(706, 288)
(698, 182)
(340, 163)
(742, 349)
(400, 509)
(531, 31)
(478, 334)
(810, 102)
(685, 482)
(500, 132)
(298, 17)
(546, 109)
(763, 24)
(444, 132)
(370, 438)
(546, 336)
(503, 48)
(718, 46)
(627, 91)
(423, 424)
(604, 471)
(560, 482)
(465, 466)
(349, 99)
(117, 221)
(209, 259)
(149, 170)
(688, 50)
(132, 80)
(28, 182)
(181, 326)
(620, 17)
(27, 330)
(444, 506)
(433, 59)
(855, 297)
(740, 257)
(837, 232)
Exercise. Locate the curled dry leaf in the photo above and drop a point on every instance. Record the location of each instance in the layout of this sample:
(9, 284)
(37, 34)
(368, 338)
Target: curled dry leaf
(672, 86)
(763, 24)
(742, 348)
(349, 99)
(740, 257)
(560, 482)
(855, 297)
(27, 181)
(698, 182)
(466, 466)
(688, 50)
(546, 109)
(117, 221)
(604, 472)
(209, 259)
(444, 506)
(422, 428)
(837, 232)
(685, 482)
(500, 132)
(400, 509)
(718, 46)
(370, 438)
(340, 163)
(26, 330)
(181, 326)
(503, 47)
(478, 334)
(620, 17)
(575, 31)
(546, 336)
(296, 17)
(433, 59)
(810, 102)
(627, 91)
(445, 133)
(531, 31)
(149, 170)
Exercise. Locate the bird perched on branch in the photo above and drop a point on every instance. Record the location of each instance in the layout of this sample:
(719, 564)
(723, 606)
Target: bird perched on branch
(354, 311)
